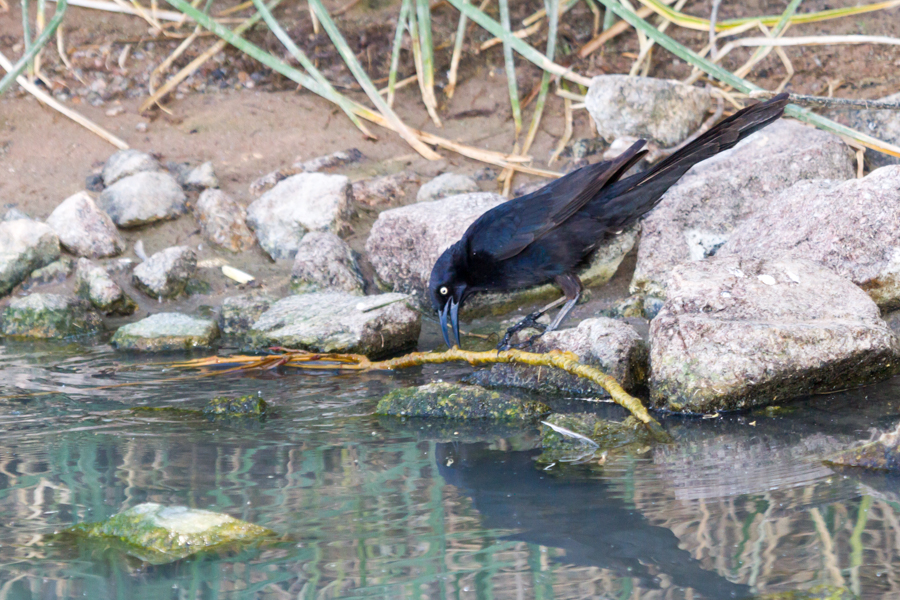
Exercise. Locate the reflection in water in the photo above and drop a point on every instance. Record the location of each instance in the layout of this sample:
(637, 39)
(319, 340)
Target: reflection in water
(368, 508)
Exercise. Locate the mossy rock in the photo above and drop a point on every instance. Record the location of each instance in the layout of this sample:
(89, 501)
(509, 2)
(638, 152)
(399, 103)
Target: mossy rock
(455, 401)
(245, 406)
(49, 316)
(883, 454)
(162, 534)
(819, 592)
(607, 435)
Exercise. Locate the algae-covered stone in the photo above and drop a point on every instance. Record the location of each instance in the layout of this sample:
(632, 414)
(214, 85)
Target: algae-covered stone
(25, 245)
(601, 435)
(455, 401)
(825, 591)
(162, 534)
(252, 406)
(49, 316)
(55, 272)
(882, 454)
(165, 332)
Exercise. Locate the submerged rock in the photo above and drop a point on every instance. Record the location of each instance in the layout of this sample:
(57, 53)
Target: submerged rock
(162, 534)
(143, 198)
(340, 322)
(583, 436)
(852, 227)
(252, 406)
(455, 401)
(305, 202)
(239, 313)
(84, 229)
(325, 263)
(125, 163)
(166, 273)
(448, 184)
(223, 221)
(49, 316)
(699, 213)
(25, 245)
(93, 283)
(662, 110)
(166, 332)
(612, 346)
(881, 454)
(405, 242)
(736, 334)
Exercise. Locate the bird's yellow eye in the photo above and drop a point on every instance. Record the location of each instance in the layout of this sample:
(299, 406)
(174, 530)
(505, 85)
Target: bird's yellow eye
(444, 291)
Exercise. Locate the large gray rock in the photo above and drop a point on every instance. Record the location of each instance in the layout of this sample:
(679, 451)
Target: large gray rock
(93, 283)
(49, 316)
(612, 346)
(882, 124)
(325, 263)
(340, 322)
(736, 334)
(125, 163)
(443, 186)
(84, 229)
(223, 221)
(25, 245)
(143, 198)
(166, 332)
(699, 213)
(853, 227)
(166, 273)
(304, 202)
(662, 110)
(405, 242)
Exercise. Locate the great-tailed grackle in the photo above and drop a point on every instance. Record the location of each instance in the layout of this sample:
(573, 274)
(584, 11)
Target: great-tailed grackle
(546, 235)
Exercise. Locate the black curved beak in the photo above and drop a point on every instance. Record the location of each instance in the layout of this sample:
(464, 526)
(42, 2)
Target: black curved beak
(453, 308)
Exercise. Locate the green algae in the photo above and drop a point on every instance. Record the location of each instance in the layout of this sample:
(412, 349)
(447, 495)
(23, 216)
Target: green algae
(244, 406)
(455, 401)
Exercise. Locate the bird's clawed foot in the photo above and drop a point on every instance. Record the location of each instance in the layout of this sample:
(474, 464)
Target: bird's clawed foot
(531, 321)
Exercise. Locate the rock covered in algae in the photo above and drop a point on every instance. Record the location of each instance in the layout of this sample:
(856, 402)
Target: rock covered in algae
(455, 401)
(882, 454)
(49, 316)
(161, 534)
(819, 592)
(251, 406)
(165, 332)
(607, 435)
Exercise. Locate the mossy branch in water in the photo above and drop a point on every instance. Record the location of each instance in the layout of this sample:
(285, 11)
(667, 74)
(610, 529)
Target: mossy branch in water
(565, 361)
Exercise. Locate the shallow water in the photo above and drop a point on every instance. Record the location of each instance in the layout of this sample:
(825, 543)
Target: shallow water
(740, 506)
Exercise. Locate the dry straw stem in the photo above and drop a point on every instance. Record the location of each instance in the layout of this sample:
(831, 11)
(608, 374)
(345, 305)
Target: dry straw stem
(160, 15)
(402, 21)
(565, 361)
(457, 54)
(816, 40)
(510, 65)
(52, 103)
(609, 33)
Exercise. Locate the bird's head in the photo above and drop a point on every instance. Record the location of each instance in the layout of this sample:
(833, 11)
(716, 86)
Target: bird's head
(447, 288)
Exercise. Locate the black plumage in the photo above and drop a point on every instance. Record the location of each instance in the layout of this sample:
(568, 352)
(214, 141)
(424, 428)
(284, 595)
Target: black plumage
(548, 234)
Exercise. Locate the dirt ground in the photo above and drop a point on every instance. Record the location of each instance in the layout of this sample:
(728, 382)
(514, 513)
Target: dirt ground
(249, 121)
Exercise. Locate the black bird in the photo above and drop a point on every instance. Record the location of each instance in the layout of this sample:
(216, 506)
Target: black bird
(546, 235)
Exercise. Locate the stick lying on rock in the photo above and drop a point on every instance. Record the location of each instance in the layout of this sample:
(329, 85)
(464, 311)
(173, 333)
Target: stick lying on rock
(565, 361)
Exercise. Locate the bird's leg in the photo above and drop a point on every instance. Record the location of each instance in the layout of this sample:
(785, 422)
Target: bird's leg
(572, 289)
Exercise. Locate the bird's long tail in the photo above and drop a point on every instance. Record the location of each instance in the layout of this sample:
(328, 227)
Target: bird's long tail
(632, 197)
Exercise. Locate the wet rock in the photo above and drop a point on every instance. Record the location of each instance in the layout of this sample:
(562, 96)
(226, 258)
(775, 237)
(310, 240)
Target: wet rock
(162, 534)
(340, 322)
(252, 406)
(626, 308)
(239, 313)
(455, 401)
(737, 334)
(448, 184)
(325, 263)
(223, 221)
(49, 316)
(143, 198)
(882, 124)
(199, 178)
(166, 332)
(662, 110)
(55, 272)
(84, 229)
(14, 214)
(305, 202)
(699, 213)
(825, 591)
(612, 346)
(405, 242)
(166, 273)
(379, 191)
(25, 245)
(124, 163)
(94, 182)
(652, 306)
(852, 227)
(93, 283)
(882, 454)
(329, 161)
(582, 437)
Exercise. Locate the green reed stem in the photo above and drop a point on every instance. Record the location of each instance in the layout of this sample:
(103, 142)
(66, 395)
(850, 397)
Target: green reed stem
(553, 22)
(510, 65)
(36, 45)
(395, 52)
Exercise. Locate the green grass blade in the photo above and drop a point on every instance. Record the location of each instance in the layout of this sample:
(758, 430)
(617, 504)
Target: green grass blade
(609, 19)
(395, 52)
(423, 13)
(510, 65)
(457, 53)
(553, 26)
(36, 46)
(307, 64)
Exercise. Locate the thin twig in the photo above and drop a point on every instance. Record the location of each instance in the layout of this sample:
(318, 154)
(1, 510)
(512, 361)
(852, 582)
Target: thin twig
(828, 102)
(713, 16)
(163, 15)
(609, 33)
(567, 132)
